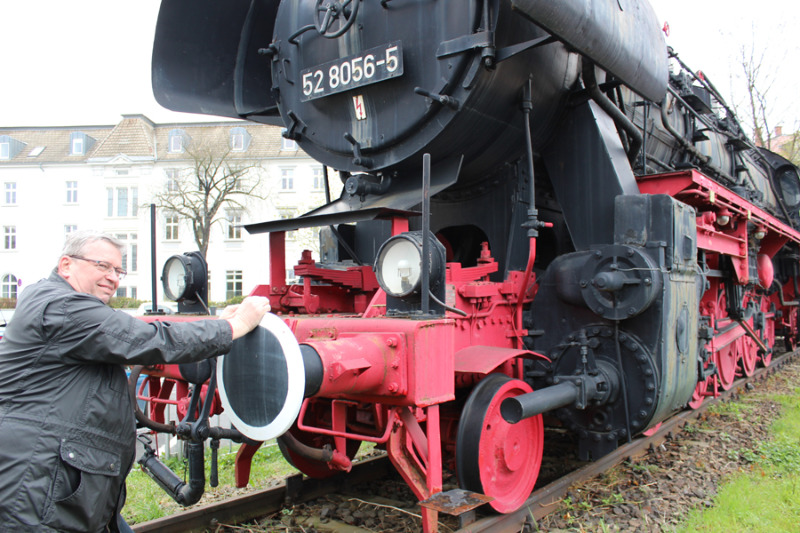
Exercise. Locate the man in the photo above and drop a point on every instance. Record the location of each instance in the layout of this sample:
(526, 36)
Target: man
(67, 429)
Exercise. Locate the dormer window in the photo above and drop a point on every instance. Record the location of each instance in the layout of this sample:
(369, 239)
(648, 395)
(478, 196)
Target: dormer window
(177, 141)
(288, 145)
(240, 139)
(10, 147)
(79, 143)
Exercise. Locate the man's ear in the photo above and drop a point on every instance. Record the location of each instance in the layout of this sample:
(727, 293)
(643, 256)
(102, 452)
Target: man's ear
(64, 265)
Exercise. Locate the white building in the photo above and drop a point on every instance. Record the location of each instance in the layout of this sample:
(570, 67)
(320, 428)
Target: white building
(59, 179)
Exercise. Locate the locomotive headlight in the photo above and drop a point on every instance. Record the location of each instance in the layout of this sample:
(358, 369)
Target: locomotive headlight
(399, 265)
(184, 276)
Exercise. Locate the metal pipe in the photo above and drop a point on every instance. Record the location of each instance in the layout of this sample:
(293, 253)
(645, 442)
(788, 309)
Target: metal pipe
(616, 114)
(426, 228)
(180, 491)
(153, 278)
(537, 402)
(322, 455)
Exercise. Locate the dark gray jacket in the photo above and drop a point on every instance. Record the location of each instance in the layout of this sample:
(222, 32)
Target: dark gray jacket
(67, 429)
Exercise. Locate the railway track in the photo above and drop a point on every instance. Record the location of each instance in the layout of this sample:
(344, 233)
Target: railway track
(542, 502)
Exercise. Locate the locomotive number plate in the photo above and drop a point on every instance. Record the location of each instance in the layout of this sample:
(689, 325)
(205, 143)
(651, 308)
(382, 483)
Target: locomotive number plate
(371, 66)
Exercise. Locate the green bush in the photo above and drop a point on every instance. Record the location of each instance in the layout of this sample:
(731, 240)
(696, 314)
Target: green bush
(8, 303)
(226, 303)
(124, 303)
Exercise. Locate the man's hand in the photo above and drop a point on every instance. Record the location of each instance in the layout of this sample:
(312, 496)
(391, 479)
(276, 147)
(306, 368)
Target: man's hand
(244, 317)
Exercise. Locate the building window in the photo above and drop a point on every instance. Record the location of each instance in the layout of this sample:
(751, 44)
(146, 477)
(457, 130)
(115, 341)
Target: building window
(290, 277)
(122, 292)
(127, 201)
(9, 286)
(80, 143)
(173, 175)
(285, 215)
(122, 201)
(9, 237)
(240, 139)
(318, 179)
(130, 260)
(288, 145)
(171, 227)
(237, 142)
(69, 228)
(287, 179)
(10, 147)
(134, 293)
(134, 252)
(233, 284)
(234, 225)
(72, 192)
(11, 193)
(176, 141)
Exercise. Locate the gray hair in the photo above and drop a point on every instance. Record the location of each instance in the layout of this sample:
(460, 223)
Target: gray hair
(78, 240)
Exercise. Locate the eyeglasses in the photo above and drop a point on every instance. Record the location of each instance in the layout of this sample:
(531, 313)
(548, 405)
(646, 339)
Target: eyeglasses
(103, 266)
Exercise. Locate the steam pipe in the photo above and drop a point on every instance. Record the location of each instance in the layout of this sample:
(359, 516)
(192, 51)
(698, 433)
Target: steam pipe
(616, 114)
(323, 455)
(577, 391)
(538, 402)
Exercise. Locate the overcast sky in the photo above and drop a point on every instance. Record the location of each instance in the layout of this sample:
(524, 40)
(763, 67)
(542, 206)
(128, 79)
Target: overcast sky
(88, 62)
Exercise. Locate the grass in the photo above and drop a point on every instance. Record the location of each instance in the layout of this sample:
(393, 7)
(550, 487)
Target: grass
(765, 498)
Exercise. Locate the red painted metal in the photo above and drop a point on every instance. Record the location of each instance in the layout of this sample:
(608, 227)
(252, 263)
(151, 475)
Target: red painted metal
(510, 454)
(766, 271)
(384, 378)
(711, 199)
(416, 454)
(361, 361)
(242, 464)
(337, 291)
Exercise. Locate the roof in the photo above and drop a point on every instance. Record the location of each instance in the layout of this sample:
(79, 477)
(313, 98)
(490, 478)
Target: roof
(137, 138)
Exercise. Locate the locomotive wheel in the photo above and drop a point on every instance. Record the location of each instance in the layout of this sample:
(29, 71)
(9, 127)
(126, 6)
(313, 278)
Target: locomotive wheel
(310, 467)
(494, 457)
(701, 391)
(749, 351)
(766, 358)
(769, 334)
(725, 358)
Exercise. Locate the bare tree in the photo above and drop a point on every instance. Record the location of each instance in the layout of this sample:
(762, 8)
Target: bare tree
(759, 82)
(791, 149)
(216, 179)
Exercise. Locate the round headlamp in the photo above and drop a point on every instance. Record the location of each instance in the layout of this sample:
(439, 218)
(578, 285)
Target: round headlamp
(183, 276)
(398, 266)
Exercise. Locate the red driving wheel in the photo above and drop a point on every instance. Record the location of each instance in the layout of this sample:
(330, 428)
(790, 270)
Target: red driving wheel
(494, 457)
(726, 358)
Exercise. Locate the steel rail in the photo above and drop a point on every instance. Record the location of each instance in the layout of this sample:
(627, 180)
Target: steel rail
(296, 489)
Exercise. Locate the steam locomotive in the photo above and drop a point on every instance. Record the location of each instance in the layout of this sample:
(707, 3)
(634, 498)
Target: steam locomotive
(546, 217)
